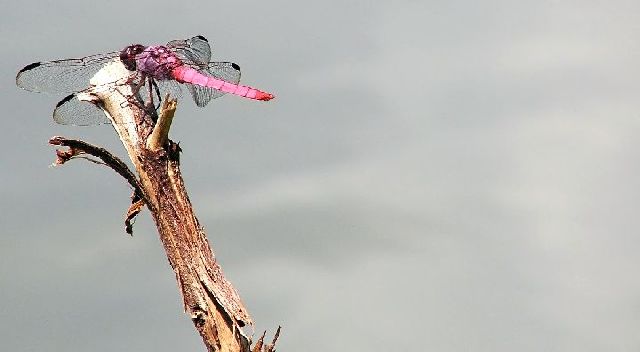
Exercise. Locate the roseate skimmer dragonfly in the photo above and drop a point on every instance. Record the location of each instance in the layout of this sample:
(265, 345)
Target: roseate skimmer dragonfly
(157, 67)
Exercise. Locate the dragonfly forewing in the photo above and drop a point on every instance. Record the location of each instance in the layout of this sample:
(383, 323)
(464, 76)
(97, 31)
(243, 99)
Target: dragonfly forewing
(62, 76)
(194, 51)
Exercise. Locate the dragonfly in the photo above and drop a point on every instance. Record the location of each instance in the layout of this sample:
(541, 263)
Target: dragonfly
(156, 68)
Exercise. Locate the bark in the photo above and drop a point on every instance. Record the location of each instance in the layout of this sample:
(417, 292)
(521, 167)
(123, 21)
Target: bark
(208, 297)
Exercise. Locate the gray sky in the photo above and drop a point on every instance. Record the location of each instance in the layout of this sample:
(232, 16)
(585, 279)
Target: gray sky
(431, 177)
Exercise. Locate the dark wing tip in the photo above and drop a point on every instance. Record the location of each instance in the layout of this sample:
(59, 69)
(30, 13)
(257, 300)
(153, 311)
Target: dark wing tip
(235, 66)
(20, 81)
(65, 99)
(30, 66)
(201, 38)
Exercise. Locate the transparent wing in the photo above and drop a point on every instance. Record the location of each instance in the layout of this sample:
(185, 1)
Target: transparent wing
(226, 71)
(165, 87)
(71, 111)
(64, 76)
(194, 52)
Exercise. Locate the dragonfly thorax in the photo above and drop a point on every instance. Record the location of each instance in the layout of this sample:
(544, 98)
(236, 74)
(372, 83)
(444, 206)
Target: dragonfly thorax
(158, 62)
(128, 55)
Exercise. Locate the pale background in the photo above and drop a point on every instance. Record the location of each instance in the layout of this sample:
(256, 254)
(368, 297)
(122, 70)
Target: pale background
(432, 176)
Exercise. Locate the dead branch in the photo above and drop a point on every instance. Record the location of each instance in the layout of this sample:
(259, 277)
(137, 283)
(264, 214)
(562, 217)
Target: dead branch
(211, 301)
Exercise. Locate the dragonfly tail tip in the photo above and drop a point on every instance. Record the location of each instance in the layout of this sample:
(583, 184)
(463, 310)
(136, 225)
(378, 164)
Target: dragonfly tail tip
(264, 96)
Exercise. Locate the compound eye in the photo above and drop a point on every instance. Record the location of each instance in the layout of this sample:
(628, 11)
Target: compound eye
(128, 58)
(137, 49)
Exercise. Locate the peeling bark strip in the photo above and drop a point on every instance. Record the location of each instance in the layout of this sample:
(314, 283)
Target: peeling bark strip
(211, 301)
(134, 209)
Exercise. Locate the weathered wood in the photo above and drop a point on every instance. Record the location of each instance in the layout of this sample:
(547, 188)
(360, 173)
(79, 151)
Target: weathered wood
(208, 297)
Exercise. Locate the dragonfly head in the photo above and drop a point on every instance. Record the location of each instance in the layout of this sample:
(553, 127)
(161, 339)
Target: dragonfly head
(128, 56)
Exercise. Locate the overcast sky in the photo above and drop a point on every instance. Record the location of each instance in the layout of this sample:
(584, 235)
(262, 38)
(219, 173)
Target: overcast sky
(432, 176)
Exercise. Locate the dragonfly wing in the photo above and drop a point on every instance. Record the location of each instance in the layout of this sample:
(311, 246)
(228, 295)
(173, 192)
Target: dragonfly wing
(193, 51)
(72, 111)
(165, 87)
(226, 71)
(64, 76)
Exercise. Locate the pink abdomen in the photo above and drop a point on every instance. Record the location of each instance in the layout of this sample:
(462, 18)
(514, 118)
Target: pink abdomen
(185, 74)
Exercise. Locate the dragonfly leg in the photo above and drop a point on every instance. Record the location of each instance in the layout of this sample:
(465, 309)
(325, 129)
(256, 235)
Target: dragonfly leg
(153, 88)
(134, 90)
(156, 90)
(149, 106)
(138, 86)
(135, 99)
